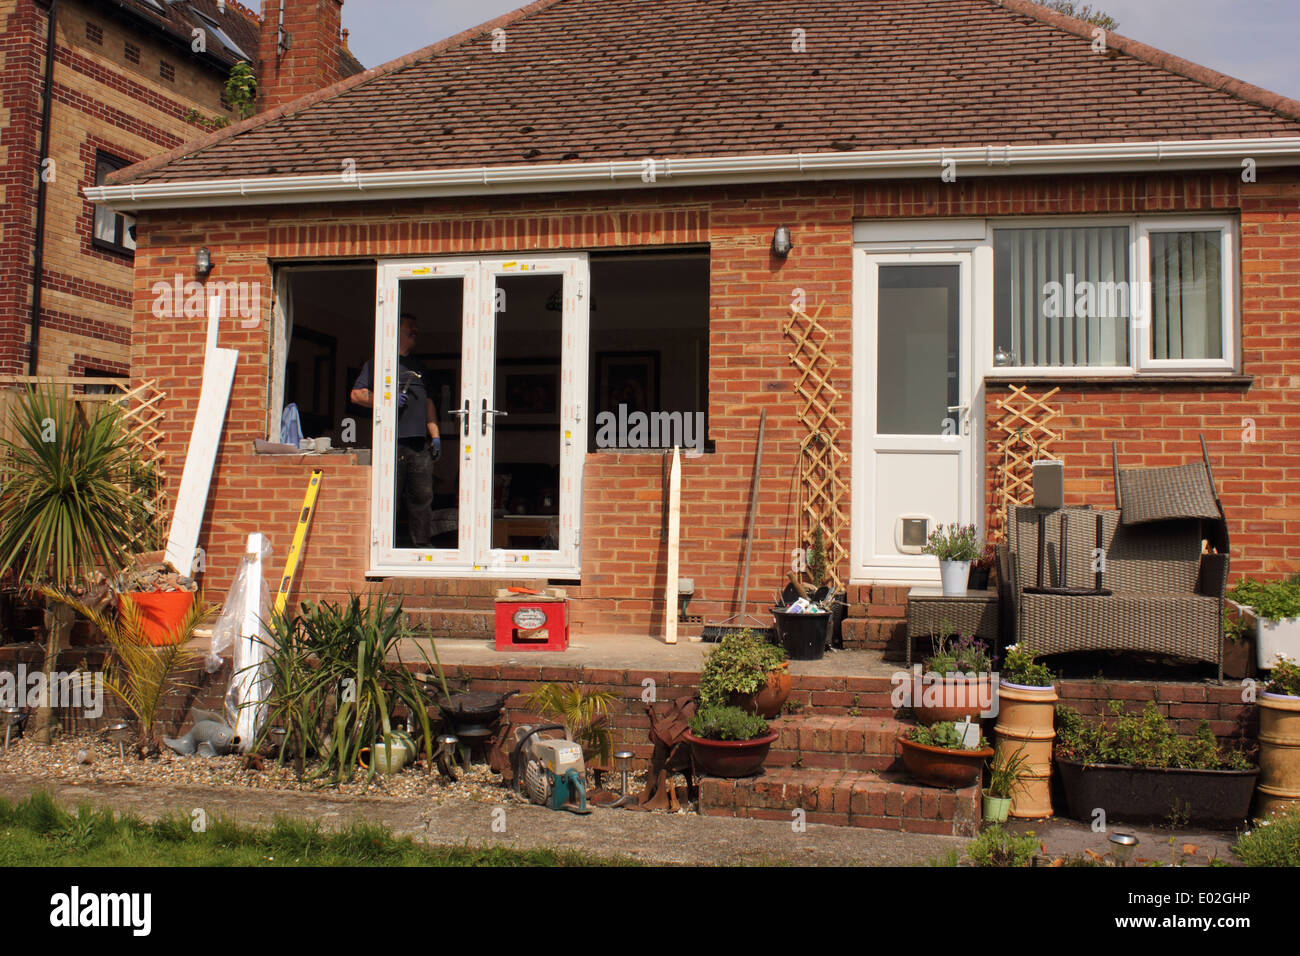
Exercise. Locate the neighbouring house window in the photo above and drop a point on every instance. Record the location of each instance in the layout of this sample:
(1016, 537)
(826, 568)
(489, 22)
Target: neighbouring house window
(94, 32)
(113, 230)
(132, 53)
(167, 71)
(1145, 295)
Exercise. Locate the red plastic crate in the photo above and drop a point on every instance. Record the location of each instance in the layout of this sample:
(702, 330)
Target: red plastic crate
(532, 625)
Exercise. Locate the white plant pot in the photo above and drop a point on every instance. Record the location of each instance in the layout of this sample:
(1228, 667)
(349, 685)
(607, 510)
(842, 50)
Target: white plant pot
(1278, 639)
(955, 575)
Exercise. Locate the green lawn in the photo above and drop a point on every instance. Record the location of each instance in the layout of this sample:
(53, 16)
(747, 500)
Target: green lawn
(38, 832)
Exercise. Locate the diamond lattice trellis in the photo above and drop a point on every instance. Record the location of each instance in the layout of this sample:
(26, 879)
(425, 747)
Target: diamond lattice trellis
(1025, 437)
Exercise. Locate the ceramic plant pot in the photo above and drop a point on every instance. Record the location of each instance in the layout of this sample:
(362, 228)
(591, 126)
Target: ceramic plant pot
(729, 758)
(942, 766)
(1279, 753)
(953, 698)
(996, 809)
(1027, 724)
(768, 700)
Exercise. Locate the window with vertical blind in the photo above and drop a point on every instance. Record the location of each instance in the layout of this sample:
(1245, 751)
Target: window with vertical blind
(1114, 296)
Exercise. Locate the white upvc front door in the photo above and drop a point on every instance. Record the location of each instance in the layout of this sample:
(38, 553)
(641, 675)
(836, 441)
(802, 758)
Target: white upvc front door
(503, 343)
(912, 424)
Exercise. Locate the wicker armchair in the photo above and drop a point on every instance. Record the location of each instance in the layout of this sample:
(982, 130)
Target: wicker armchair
(1166, 597)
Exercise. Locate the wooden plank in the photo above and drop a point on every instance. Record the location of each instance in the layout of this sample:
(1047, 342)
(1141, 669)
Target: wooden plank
(192, 499)
(674, 547)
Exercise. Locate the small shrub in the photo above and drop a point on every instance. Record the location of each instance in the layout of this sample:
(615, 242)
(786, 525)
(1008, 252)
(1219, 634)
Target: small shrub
(1140, 740)
(1271, 600)
(1285, 678)
(1274, 841)
(739, 664)
(963, 655)
(727, 723)
(1020, 667)
(943, 734)
(954, 542)
(999, 847)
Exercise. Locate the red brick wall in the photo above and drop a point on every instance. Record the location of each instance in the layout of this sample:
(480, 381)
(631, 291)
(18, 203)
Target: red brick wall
(749, 369)
(312, 60)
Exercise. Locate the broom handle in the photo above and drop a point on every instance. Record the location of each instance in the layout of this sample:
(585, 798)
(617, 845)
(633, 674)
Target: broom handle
(753, 506)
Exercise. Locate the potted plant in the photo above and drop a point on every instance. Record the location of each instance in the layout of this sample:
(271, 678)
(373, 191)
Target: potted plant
(982, 568)
(957, 680)
(1026, 724)
(956, 546)
(163, 596)
(1240, 659)
(939, 756)
(1005, 772)
(748, 672)
(728, 742)
(1276, 606)
(1138, 769)
(834, 602)
(1279, 740)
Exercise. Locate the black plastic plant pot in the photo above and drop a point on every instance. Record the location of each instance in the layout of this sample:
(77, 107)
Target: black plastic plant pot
(1218, 799)
(802, 635)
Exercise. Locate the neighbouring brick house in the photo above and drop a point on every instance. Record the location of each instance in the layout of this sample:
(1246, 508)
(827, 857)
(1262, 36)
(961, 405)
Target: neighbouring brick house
(129, 81)
(579, 203)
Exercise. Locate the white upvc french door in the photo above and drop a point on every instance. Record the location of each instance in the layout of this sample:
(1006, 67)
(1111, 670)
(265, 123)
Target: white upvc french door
(503, 346)
(912, 422)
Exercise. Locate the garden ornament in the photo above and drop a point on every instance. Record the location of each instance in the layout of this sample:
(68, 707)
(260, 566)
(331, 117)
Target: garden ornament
(210, 736)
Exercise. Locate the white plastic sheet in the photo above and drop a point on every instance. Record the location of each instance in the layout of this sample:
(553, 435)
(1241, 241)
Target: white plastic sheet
(241, 631)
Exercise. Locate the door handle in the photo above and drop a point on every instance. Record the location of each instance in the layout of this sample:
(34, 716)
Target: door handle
(463, 415)
(489, 411)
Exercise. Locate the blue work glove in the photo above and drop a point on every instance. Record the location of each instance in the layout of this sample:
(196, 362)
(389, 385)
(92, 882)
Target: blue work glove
(435, 449)
(401, 400)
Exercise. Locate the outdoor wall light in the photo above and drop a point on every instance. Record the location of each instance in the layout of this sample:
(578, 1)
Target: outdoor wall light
(203, 262)
(781, 244)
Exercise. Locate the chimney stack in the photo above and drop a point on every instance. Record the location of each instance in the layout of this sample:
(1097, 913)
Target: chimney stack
(300, 49)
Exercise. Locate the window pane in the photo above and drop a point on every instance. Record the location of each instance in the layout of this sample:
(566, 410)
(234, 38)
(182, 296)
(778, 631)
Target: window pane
(1186, 295)
(919, 341)
(1061, 297)
(105, 224)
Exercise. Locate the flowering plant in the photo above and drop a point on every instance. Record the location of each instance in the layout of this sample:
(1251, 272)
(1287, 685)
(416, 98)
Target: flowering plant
(955, 542)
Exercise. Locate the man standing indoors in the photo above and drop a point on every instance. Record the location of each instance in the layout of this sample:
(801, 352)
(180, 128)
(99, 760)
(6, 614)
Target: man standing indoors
(418, 442)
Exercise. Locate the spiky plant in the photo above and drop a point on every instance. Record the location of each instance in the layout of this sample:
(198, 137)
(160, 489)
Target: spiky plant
(585, 715)
(66, 505)
(138, 673)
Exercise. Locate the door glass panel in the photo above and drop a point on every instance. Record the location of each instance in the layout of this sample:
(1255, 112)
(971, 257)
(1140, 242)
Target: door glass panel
(426, 476)
(918, 349)
(527, 435)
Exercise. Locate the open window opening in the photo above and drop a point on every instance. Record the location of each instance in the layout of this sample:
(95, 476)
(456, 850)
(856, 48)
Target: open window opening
(649, 361)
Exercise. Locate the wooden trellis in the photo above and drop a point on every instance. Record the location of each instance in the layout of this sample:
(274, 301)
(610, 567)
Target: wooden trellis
(821, 461)
(1025, 437)
(142, 412)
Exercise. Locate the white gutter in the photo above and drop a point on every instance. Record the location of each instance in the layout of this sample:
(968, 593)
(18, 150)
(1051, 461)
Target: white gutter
(1059, 159)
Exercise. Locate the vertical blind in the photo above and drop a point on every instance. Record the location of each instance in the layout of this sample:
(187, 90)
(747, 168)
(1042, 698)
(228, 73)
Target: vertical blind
(1061, 296)
(1186, 295)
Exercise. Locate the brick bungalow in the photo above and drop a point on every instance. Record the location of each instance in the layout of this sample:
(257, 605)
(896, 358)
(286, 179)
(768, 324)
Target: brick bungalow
(620, 176)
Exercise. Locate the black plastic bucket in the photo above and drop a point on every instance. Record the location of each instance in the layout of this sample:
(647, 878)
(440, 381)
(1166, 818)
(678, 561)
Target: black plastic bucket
(802, 635)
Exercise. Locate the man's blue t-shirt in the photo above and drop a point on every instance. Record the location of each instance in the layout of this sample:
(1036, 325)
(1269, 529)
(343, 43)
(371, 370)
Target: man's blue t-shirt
(411, 420)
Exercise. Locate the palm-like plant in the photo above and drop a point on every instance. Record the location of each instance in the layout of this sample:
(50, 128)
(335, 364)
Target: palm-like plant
(585, 715)
(138, 673)
(66, 505)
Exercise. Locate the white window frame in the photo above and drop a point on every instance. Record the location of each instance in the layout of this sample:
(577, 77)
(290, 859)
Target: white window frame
(1140, 365)
(1231, 280)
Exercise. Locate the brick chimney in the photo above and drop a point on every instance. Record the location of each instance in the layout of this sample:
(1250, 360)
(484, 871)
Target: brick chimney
(300, 49)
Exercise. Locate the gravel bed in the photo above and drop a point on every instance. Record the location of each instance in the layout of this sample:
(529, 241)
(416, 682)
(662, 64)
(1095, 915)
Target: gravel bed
(92, 758)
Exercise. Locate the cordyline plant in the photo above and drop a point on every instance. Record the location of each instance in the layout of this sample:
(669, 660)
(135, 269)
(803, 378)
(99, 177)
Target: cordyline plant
(66, 505)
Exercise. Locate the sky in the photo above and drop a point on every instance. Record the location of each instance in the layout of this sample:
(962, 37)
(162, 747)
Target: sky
(1253, 40)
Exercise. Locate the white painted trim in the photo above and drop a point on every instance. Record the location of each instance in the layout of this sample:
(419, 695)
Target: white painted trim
(991, 160)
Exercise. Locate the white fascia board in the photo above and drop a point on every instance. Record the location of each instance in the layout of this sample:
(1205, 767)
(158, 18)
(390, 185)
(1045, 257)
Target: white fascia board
(359, 186)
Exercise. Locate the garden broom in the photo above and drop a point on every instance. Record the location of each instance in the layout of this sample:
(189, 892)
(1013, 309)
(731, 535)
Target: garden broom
(736, 623)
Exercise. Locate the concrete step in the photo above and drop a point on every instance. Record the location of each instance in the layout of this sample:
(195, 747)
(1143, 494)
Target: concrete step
(845, 798)
(863, 743)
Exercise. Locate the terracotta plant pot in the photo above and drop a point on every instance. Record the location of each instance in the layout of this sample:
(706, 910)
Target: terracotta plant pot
(729, 758)
(1026, 723)
(768, 700)
(161, 613)
(1279, 753)
(1219, 799)
(941, 766)
(953, 698)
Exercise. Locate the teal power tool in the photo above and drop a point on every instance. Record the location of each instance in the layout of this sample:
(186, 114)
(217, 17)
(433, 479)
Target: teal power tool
(550, 772)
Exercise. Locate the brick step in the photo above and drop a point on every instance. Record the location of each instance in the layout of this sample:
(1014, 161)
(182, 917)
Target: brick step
(837, 742)
(842, 696)
(876, 634)
(845, 798)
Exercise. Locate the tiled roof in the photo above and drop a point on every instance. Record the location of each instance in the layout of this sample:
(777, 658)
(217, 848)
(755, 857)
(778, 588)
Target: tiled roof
(591, 80)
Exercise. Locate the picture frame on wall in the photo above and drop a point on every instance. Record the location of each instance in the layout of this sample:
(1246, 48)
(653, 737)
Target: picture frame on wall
(627, 378)
(529, 394)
